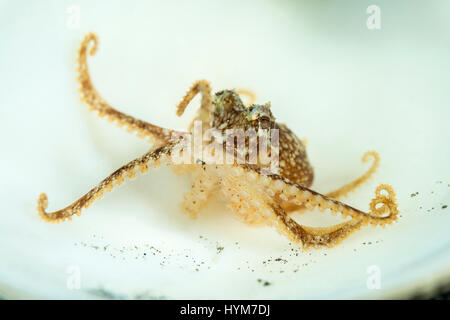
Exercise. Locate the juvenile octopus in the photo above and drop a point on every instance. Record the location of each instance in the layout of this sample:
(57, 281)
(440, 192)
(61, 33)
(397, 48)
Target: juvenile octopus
(257, 198)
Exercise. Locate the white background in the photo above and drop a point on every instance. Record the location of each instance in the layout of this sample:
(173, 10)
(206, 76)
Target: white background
(345, 88)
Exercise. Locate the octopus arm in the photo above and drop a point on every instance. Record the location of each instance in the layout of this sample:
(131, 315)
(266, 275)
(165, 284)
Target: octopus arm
(92, 98)
(313, 237)
(202, 186)
(349, 187)
(152, 158)
(203, 87)
(262, 195)
(250, 95)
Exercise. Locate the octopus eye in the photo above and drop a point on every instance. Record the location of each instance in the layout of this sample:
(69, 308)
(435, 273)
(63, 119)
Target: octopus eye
(264, 122)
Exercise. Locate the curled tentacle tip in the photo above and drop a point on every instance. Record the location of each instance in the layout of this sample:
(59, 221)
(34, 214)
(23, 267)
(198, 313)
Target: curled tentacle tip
(92, 37)
(42, 202)
(384, 205)
(387, 188)
(179, 112)
(370, 154)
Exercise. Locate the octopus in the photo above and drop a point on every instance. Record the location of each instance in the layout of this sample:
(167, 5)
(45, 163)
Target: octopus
(257, 198)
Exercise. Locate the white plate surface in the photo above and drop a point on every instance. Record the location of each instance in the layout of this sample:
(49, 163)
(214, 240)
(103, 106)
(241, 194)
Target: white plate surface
(345, 88)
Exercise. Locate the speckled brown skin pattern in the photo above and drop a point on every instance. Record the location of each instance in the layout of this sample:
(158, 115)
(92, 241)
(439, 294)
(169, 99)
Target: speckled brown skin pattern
(256, 198)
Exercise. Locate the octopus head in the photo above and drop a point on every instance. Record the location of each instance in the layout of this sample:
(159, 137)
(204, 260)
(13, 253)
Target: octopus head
(230, 111)
(228, 102)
